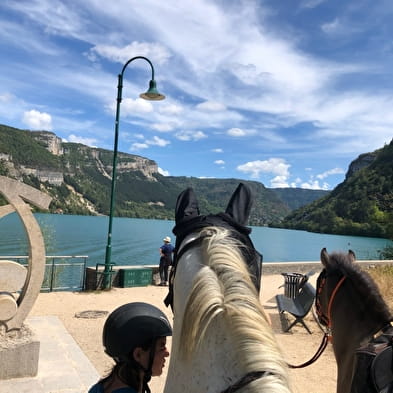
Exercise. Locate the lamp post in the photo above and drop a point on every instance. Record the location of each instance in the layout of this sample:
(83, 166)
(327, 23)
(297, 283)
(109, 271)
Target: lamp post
(153, 95)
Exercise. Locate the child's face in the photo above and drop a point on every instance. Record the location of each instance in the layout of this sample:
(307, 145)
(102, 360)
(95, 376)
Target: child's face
(161, 352)
(159, 358)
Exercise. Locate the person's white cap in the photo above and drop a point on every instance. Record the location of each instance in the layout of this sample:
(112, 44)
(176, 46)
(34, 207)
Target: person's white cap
(167, 239)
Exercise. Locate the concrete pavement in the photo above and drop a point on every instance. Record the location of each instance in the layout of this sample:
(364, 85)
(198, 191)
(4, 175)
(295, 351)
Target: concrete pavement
(62, 367)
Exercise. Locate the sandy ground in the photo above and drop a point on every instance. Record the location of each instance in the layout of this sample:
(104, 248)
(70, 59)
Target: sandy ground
(298, 346)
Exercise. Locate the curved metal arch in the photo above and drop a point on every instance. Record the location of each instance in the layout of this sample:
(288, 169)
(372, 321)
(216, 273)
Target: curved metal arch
(17, 194)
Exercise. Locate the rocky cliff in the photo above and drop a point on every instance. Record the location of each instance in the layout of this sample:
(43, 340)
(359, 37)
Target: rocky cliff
(361, 162)
(67, 159)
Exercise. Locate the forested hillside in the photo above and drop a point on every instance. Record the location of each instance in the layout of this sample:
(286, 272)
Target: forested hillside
(213, 197)
(361, 205)
(298, 197)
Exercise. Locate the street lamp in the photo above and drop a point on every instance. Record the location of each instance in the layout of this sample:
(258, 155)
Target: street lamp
(151, 94)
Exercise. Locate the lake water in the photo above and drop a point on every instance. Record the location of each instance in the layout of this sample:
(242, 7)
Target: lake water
(136, 241)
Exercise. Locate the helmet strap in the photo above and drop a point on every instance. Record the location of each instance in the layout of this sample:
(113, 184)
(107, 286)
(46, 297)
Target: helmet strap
(148, 372)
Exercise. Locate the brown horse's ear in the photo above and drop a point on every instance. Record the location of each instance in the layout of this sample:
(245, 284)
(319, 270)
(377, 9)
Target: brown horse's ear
(186, 205)
(352, 255)
(324, 257)
(240, 204)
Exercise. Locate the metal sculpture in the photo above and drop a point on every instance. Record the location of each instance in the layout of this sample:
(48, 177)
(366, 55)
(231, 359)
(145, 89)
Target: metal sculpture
(15, 278)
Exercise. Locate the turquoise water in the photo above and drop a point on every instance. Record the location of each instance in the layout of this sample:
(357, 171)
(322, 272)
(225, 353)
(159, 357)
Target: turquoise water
(136, 241)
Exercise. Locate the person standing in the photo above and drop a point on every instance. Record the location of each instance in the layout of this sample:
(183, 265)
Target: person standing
(166, 251)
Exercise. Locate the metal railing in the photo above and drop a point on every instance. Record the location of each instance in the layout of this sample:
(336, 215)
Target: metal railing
(60, 273)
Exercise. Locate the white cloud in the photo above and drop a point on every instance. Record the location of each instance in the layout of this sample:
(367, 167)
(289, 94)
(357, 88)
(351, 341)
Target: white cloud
(190, 135)
(276, 166)
(314, 185)
(311, 3)
(92, 142)
(279, 182)
(38, 120)
(331, 27)
(340, 27)
(139, 146)
(334, 171)
(219, 162)
(162, 127)
(130, 107)
(211, 106)
(155, 52)
(236, 132)
(218, 150)
(157, 141)
(163, 172)
(172, 109)
(6, 97)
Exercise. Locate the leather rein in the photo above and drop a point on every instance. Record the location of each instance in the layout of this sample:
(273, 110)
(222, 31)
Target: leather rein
(325, 319)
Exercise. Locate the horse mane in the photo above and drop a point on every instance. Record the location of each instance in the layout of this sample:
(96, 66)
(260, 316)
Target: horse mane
(223, 288)
(365, 285)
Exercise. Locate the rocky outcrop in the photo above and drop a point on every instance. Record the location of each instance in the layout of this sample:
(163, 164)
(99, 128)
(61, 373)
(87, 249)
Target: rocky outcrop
(141, 164)
(53, 177)
(126, 162)
(361, 162)
(51, 142)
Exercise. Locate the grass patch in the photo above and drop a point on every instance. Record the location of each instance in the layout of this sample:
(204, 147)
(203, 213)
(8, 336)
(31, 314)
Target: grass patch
(383, 276)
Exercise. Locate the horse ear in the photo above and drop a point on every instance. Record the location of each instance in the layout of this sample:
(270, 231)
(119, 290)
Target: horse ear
(352, 255)
(186, 205)
(240, 204)
(324, 257)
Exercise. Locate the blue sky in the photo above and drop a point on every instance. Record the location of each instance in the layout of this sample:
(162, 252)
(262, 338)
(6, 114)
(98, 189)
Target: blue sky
(285, 92)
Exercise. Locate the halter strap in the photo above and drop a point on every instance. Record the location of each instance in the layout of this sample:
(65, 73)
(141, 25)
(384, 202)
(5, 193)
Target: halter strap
(248, 378)
(326, 319)
(331, 300)
(252, 257)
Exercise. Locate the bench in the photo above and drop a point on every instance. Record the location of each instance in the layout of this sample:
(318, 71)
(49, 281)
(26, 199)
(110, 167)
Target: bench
(299, 306)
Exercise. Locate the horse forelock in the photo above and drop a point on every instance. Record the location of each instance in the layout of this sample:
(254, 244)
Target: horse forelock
(223, 288)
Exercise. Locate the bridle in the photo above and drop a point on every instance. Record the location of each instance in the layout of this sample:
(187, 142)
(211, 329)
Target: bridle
(324, 319)
(250, 254)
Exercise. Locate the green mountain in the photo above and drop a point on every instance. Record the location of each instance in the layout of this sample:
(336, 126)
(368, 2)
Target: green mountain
(298, 197)
(78, 178)
(361, 205)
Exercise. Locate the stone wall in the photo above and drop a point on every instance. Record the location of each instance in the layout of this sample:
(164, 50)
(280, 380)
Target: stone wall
(94, 276)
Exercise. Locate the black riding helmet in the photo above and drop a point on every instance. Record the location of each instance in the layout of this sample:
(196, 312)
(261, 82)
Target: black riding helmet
(133, 325)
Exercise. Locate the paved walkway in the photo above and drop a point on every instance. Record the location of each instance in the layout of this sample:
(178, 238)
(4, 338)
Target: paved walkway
(62, 367)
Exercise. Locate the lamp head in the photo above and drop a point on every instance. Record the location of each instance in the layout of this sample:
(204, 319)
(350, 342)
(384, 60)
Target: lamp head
(152, 93)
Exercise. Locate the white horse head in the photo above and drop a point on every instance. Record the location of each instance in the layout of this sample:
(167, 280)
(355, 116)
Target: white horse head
(222, 339)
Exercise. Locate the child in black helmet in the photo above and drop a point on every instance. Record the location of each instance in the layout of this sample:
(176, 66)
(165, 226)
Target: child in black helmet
(134, 336)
